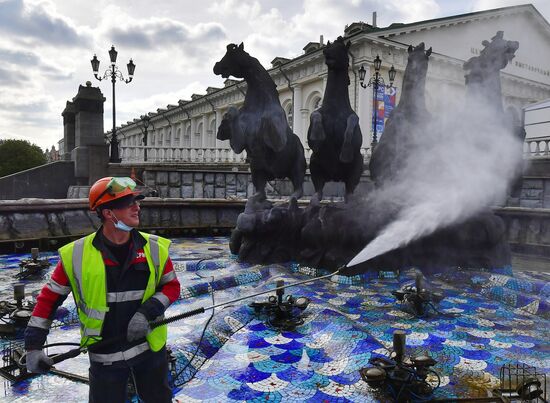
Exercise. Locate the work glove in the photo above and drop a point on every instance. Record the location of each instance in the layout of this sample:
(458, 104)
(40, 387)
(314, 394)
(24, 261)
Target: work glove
(38, 362)
(138, 327)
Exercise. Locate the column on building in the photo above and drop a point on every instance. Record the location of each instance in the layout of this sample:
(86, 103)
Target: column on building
(193, 123)
(304, 119)
(296, 114)
(182, 133)
(204, 139)
(219, 143)
(324, 76)
(364, 109)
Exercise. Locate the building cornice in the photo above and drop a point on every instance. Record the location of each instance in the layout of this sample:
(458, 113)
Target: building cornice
(462, 19)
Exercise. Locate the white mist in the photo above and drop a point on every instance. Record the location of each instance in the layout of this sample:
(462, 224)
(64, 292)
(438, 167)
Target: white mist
(463, 163)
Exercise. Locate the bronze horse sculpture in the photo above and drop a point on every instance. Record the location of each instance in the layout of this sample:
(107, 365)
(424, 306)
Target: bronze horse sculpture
(260, 126)
(409, 119)
(334, 134)
(483, 71)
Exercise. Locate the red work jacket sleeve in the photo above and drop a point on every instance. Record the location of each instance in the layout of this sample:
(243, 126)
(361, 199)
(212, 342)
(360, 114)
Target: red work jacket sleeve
(51, 296)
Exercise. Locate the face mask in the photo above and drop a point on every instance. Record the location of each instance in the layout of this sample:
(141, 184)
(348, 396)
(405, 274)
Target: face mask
(121, 226)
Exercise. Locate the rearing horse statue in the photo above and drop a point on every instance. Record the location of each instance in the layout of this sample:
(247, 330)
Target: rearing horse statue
(483, 72)
(334, 134)
(407, 120)
(260, 126)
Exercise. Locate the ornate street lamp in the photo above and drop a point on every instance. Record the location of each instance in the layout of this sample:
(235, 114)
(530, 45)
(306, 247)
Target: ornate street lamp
(376, 81)
(114, 73)
(146, 120)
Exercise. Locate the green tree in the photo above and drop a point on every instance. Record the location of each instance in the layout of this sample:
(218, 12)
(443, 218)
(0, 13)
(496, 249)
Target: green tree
(18, 155)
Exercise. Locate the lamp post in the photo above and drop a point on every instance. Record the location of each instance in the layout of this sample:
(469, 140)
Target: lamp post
(146, 120)
(376, 81)
(114, 73)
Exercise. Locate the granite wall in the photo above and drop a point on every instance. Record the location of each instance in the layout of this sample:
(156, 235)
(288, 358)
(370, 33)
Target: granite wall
(45, 181)
(230, 185)
(528, 230)
(48, 219)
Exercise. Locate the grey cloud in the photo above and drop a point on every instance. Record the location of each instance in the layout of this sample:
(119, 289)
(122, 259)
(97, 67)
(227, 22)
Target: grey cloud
(11, 78)
(31, 107)
(152, 34)
(138, 40)
(20, 58)
(57, 75)
(211, 31)
(34, 22)
(26, 60)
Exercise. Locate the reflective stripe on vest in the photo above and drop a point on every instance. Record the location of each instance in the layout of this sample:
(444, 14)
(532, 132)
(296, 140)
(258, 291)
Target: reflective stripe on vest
(78, 253)
(85, 269)
(120, 355)
(125, 296)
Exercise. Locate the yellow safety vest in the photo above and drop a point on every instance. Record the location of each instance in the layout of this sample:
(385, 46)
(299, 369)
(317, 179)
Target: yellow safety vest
(85, 268)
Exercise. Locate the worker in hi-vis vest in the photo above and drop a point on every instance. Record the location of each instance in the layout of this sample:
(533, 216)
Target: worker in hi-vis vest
(121, 279)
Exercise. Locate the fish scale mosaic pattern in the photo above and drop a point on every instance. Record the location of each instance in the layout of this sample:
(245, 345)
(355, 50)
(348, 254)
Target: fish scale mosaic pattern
(487, 319)
(470, 348)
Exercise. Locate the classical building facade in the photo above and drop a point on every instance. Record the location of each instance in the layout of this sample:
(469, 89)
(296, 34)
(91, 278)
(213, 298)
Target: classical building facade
(187, 132)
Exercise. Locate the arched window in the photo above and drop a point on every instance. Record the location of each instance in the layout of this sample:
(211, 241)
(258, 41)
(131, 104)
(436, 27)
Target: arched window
(187, 136)
(168, 132)
(178, 136)
(289, 114)
(315, 104)
(198, 136)
(211, 140)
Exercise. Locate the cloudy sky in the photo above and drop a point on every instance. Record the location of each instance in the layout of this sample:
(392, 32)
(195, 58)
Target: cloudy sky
(46, 47)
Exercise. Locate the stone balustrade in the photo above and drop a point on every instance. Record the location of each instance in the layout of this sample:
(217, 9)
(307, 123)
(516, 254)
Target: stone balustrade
(201, 155)
(537, 147)
(180, 154)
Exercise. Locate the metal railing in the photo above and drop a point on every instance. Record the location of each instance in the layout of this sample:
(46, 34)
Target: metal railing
(202, 155)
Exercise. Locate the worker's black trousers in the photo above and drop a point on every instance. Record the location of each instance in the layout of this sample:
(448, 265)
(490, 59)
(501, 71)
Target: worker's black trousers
(109, 384)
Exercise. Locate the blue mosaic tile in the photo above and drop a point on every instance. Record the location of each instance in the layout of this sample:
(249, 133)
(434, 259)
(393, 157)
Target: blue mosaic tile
(502, 317)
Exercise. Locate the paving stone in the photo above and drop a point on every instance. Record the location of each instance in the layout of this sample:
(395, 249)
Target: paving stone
(230, 179)
(189, 217)
(174, 179)
(220, 180)
(208, 217)
(187, 178)
(174, 192)
(209, 178)
(163, 191)
(187, 192)
(198, 190)
(209, 191)
(5, 232)
(77, 222)
(219, 192)
(54, 224)
(162, 178)
(242, 183)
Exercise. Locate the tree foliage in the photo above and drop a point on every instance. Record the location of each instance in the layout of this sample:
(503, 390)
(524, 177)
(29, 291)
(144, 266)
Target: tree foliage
(18, 155)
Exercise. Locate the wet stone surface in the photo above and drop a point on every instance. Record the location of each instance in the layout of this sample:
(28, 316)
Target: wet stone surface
(501, 318)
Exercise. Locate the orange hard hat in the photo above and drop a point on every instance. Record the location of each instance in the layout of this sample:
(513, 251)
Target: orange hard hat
(110, 188)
